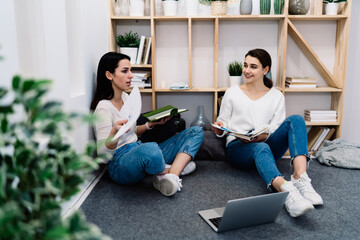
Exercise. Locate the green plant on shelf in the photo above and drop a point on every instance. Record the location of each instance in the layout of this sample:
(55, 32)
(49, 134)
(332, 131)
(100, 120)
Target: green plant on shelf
(235, 68)
(39, 169)
(128, 39)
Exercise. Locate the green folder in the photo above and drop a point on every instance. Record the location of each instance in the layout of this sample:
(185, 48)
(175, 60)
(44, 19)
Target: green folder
(163, 112)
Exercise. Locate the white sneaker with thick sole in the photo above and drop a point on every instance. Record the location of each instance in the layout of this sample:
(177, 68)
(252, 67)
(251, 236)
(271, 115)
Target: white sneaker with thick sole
(303, 184)
(168, 184)
(295, 204)
(189, 168)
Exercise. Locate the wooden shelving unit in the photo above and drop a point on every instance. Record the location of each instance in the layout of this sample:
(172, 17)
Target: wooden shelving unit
(286, 25)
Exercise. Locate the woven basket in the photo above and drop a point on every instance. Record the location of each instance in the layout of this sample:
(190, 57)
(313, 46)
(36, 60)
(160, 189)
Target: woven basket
(218, 7)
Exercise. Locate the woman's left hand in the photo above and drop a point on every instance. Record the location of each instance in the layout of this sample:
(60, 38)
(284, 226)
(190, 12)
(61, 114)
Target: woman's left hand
(160, 122)
(260, 138)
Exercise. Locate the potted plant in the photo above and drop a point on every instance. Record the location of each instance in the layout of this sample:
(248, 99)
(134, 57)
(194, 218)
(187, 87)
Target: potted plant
(128, 44)
(170, 7)
(331, 6)
(218, 7)
(39, 169)
(235, 70)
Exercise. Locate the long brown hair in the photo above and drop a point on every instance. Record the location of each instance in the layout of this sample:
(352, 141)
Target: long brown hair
(108, 62)
(265, 60)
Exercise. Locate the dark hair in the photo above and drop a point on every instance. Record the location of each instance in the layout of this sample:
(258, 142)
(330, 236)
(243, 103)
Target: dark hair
(108, 62)
(265, 60)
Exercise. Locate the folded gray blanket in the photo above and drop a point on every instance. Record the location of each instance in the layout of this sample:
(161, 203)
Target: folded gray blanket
(339, 153)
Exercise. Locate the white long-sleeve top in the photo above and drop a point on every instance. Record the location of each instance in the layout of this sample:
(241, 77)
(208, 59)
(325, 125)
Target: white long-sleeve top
(241, 114)
(108, 115)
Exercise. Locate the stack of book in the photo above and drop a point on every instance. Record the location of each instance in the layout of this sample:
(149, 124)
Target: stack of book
(300, 82)
(141, 79)
(320, 115)
(143, 54)
(317, 135)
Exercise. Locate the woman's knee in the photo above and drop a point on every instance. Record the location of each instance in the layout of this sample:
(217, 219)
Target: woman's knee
(295, 119)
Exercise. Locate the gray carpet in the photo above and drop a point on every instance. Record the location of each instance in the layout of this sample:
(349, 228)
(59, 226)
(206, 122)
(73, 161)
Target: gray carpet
(141, 212)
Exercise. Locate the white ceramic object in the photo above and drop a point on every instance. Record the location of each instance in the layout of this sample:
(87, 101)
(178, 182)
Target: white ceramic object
(234, 80)
(192, 7)
(246, 7)
(136, 7)
(131, 52)
(331, 8)
(170, 7)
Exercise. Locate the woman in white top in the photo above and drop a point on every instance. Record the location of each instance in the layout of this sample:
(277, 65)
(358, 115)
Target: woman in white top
(133, 160)
(255, 105)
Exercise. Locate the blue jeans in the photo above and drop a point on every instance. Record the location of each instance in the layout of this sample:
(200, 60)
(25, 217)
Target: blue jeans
(133, 161)
(264, 155)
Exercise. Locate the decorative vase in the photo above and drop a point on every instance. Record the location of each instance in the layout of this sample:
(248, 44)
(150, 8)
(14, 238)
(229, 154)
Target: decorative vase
(131, 52)
(246, 7)
(331, 8)
(170, 7)
(278, 6)
(201, 120)
(191, 7)
(234, 80)
(265, 6)
(299, 7)
(136, 7)
(218, 8)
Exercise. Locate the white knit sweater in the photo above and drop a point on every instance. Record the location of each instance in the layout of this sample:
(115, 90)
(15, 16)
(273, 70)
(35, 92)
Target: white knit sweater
(108, 115)
(241, 114)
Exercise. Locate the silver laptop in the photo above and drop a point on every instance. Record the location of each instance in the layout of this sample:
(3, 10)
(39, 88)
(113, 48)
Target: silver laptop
(245, 212)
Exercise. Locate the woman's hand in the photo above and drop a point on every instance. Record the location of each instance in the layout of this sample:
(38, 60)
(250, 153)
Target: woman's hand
(260, 138)
(216, 130)
(160, 122)
(110, 143)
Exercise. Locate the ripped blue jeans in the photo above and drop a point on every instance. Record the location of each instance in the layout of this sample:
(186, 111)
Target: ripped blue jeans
(133, 161)
(291, 134)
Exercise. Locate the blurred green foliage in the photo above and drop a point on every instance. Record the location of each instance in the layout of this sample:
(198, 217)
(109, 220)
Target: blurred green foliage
(39, 169)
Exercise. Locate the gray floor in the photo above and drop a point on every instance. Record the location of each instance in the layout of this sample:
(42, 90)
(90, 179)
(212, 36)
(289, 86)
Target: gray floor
(141, 212)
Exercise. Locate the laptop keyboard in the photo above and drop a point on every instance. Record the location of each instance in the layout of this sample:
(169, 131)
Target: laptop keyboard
(216, 221)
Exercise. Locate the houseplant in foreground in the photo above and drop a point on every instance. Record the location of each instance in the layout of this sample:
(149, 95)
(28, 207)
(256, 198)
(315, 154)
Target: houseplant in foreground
(39, 169)
(235, 70)
(128, 44)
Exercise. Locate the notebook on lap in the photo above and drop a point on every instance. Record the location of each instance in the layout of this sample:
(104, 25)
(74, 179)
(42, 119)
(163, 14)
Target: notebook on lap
(245, 212)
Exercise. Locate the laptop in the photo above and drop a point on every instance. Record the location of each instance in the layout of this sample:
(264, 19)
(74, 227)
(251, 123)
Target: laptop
(245, 212)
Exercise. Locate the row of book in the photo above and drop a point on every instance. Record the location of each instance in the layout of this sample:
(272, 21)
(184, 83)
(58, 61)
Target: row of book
(320, 115)
(142, 79)
(317, 135)
(300, 82)
(143, 54)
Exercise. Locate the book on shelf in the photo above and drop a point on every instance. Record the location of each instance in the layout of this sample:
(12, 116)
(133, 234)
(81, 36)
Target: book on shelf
(300, 85)
(147, 52)
(320, 115)
(317, 136)
(301, 80)
(319, 111)
(160, 113)
(141, 50)
(146, 44)
(246, 136)
(141, 79)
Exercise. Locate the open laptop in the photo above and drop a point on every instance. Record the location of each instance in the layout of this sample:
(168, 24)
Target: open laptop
(245, 212)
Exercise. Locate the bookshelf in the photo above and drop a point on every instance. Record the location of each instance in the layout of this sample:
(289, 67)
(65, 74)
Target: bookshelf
(195, 43)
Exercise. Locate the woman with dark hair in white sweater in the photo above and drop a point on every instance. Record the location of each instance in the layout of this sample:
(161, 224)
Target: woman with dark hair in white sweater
(257, 104)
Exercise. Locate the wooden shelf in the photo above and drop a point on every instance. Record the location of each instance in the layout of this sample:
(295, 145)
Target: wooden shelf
(218, 25)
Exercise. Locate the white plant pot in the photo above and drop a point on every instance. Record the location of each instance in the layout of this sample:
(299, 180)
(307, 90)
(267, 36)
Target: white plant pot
(234, 80)
(331, 8)
(170, 7)
(191, 7)
(136, 7)
(131, 52)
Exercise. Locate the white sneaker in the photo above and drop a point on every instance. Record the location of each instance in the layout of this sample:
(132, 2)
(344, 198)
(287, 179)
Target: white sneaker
(168, 184)
(303, 184)
(295, 204)
(189, 168)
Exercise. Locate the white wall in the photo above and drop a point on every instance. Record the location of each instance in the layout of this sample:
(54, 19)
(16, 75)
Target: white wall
(351, 120)
(63, 40)
(59, 40)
